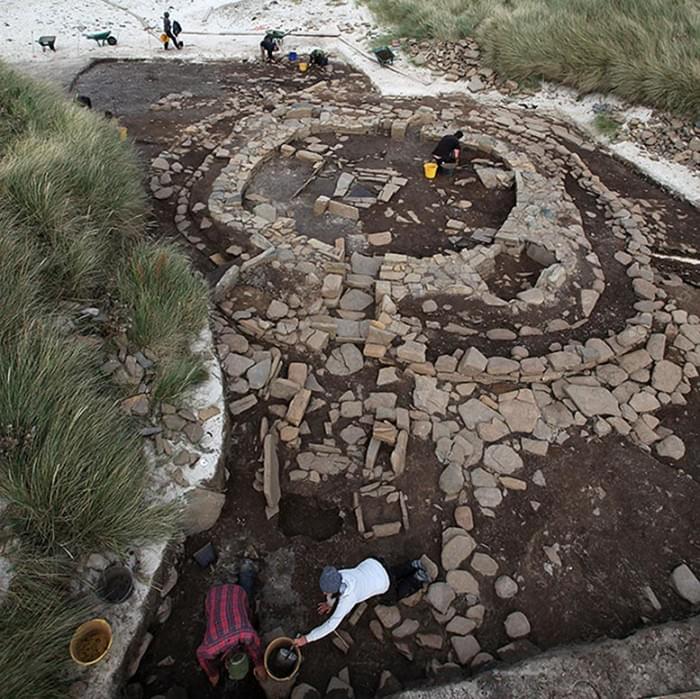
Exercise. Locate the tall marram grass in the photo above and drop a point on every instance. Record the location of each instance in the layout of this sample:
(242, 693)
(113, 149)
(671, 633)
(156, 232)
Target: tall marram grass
(645, 51)
(72, 467)
(20, 282)
(168, 301)
(28, 107)
(76, 194)
(73, 473)
(37, 621)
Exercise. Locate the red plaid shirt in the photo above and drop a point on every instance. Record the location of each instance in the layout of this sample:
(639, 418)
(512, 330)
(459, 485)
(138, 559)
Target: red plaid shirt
(228, 625)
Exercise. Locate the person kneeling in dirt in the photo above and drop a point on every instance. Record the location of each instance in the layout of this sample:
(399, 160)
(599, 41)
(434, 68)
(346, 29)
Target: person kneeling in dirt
(230, 639)
(348, 587)
(318, 58)
(268, 45)
(449, 149)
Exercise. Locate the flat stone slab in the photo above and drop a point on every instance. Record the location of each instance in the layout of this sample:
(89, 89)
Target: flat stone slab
(593, 400)
(345, 360)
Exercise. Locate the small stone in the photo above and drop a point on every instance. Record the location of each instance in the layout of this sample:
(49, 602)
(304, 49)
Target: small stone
(666, 376)
(407, 628)
(463, 583)
(502, 459)
(484, 564)
(451, 480)
(388, 616)
(461, 626)
(465, 647)
(686, 584)
(456, 551)
(433, 641)
(505, 587)
(593, 400)
(345, 360)
(517, 625)
(297, 408)
(440, 596)
(464, 518)
(276, 310)
(671, 447)
(242, 405)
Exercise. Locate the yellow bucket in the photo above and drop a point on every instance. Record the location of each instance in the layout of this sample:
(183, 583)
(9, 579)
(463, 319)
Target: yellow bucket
(91, 642)
(303, 67)
(430, 170)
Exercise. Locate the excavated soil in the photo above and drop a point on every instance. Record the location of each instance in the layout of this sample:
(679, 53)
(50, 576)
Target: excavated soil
(620, 518)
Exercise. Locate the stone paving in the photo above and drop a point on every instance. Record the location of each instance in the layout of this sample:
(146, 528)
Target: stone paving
(343, 313)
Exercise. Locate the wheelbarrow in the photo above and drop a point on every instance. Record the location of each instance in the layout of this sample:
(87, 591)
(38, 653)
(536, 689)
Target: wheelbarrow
(47, 42)
(103, 38)
(384, 55)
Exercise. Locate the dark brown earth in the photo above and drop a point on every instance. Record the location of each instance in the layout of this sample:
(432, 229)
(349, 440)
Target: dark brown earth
(621, 519)
(433, 204)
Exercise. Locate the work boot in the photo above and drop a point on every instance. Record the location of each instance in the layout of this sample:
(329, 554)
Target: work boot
(421, 573)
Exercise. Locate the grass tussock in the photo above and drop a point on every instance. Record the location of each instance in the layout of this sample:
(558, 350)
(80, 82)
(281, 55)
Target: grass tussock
(28, 107)
(168, 303)
(36, 626)
(71, 465)
(175, 376)
(20, 278)
(607, 125)
(645, 51)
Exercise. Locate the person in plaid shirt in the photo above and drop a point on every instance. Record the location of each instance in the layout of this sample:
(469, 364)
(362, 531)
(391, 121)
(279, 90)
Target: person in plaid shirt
(229, 629)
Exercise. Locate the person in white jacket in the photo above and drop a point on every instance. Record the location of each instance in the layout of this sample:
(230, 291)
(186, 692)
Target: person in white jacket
(348, 587)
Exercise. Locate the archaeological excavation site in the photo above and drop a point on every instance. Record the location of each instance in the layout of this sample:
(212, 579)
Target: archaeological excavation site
(491, 371)
(488, 371)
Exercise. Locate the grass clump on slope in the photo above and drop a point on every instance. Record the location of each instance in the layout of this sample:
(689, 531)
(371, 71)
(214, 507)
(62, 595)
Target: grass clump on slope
(73, 473)
(645, 51)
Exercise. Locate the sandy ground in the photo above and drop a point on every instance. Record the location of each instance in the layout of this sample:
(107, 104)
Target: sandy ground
(208, 34)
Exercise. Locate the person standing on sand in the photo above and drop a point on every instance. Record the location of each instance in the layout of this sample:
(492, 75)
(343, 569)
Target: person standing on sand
(348, 587)
(168, 31)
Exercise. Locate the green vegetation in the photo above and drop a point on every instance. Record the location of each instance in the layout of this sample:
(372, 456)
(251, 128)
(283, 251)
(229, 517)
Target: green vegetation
(608, 126)
(166, 300)
(72, 468)
(646, 51)
(36, 625)
(73, 473)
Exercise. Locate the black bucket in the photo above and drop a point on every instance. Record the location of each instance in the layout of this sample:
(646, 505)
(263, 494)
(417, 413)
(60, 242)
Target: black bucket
(116, 584)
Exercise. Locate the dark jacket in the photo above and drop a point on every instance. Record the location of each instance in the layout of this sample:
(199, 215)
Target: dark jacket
(446, 146)
(167, 25)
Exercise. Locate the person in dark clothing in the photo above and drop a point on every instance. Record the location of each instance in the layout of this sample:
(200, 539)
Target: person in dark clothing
(448, 150)
(318, 58)
(168, 31)
(268, 45)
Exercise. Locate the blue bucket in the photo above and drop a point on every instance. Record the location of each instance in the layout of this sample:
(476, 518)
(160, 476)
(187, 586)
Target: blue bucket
(292, 56)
